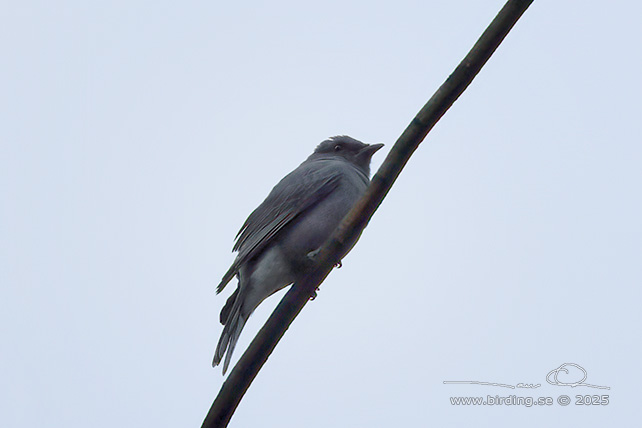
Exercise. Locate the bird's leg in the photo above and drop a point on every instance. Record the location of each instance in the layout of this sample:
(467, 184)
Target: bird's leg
(312, 257)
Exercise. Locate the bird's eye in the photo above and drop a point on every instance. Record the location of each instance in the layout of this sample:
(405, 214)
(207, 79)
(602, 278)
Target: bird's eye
(337, 147)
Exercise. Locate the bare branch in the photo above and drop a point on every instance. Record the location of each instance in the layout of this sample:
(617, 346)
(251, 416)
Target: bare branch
(356, 220)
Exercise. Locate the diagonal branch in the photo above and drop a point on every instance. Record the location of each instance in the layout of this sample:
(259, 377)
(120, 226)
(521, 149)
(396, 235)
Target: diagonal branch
(356, 220)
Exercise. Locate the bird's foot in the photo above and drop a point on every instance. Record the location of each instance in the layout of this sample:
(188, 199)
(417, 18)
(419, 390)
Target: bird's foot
(314, 294)
(312, 256)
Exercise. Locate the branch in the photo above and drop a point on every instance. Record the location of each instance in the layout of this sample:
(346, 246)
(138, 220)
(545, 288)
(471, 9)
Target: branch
(356, 220)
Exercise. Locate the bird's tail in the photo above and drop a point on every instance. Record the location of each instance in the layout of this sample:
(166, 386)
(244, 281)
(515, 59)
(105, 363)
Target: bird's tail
(233, 326)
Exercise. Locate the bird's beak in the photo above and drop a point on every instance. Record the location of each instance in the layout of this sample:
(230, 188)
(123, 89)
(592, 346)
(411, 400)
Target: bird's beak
(370, 149)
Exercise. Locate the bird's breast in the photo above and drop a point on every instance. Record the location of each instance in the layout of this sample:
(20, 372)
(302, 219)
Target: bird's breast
(313, 227)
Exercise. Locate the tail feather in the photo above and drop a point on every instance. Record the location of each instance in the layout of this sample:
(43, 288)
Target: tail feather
(227, 309)
(227, 277)
(233, 326)
(240, 323)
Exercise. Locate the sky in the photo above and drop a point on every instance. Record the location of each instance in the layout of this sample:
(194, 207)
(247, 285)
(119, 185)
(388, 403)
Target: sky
(136, 137)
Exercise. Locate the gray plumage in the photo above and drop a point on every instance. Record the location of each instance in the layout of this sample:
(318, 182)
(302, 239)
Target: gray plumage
(276, 241)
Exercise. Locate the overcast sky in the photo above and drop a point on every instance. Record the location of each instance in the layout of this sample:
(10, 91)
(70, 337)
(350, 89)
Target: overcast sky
(136, 136)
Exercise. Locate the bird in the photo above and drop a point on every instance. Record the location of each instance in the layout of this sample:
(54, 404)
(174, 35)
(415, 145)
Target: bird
(282, 235)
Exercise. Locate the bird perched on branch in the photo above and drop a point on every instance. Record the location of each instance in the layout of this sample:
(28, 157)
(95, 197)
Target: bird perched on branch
(277, 241)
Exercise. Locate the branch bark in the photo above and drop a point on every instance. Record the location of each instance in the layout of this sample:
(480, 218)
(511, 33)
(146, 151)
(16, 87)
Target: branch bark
(356, 220)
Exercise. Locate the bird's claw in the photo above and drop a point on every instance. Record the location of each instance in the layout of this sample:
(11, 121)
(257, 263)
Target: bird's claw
(338, 265)
(314, 294)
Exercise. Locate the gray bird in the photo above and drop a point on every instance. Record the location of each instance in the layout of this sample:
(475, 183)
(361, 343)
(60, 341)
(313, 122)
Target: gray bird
(277, 241)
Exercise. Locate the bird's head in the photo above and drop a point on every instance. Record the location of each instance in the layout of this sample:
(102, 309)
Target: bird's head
(347, 148)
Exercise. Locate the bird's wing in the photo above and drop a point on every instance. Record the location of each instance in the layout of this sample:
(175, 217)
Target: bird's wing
(293, 195)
